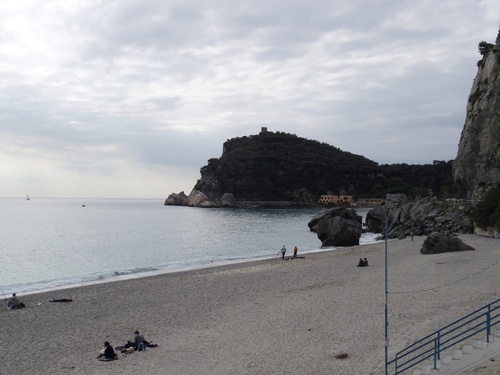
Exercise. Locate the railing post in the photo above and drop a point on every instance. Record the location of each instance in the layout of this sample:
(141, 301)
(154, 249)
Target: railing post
(439, 345)
(437, 351)
(488, 324)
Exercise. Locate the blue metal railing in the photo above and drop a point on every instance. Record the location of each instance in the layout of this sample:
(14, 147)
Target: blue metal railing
(477, 323)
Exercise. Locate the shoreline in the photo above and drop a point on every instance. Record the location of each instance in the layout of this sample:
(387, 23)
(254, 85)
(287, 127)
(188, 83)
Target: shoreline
(266, 316)
(7, 290)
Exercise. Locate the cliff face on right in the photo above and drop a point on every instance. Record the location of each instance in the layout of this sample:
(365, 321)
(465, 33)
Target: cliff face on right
(477, 165)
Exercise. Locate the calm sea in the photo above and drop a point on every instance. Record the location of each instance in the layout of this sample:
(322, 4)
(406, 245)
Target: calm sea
(51, 243)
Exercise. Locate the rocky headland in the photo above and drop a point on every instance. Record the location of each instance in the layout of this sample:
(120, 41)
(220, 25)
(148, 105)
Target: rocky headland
(257, 171)
(260, 170)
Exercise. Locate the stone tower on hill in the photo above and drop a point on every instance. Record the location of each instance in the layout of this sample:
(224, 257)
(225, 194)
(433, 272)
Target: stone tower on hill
(477, 165)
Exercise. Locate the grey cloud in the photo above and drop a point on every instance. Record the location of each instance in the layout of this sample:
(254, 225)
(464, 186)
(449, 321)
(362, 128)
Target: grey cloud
(166, 83)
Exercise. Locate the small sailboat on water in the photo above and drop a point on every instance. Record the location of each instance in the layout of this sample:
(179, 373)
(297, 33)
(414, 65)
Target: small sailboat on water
(27, 197)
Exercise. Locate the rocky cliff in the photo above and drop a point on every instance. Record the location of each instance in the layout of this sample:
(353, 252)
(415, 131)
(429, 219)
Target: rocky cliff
(477, 165)
(419, 218)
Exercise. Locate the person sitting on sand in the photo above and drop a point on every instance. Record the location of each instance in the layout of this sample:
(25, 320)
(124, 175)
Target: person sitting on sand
(361, 263)
(107, 353)
(14, 303)
(283, 252)
(366, 262)
(139, 343)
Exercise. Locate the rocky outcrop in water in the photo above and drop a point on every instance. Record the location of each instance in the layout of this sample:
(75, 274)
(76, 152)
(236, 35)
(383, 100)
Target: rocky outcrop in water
(339, 226)
(199, 199)
(228, 200)
(477, 165)
(421, 217)
(195, 199)
(176, 199)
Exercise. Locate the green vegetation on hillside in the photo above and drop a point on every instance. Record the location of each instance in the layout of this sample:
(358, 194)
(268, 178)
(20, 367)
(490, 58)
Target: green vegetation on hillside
(275, 166)
(486, 213)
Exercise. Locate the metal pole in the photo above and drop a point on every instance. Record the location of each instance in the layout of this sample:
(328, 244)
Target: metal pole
(488, 324)
(386, 295)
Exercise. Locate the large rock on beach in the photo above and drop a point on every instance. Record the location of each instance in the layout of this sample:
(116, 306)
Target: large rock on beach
(375, 219)
(437, 243)
(338, 226)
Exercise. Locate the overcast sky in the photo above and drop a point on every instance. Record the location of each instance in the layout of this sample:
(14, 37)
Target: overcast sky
(129, 98)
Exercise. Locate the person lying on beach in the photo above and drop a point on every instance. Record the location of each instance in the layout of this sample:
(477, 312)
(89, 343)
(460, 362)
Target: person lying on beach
(107, 353)
(14, 303)
(61, 300)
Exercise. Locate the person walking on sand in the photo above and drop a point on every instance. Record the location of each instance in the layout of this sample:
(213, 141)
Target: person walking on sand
(283, 252)
(295, 250)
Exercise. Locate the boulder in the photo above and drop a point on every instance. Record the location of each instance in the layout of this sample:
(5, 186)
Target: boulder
(228, 200)
(338, 226)
(437, 243)
(174, 199)
(375, 219)
(198, 199)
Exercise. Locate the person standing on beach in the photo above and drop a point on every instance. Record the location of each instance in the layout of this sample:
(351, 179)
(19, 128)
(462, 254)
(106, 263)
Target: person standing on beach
(295, 250)
(283, 252)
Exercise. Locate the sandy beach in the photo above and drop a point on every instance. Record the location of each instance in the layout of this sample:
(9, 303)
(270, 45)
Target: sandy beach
(266, 317)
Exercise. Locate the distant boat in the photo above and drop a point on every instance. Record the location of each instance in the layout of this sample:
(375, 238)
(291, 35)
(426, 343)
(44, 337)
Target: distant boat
(27, 197)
